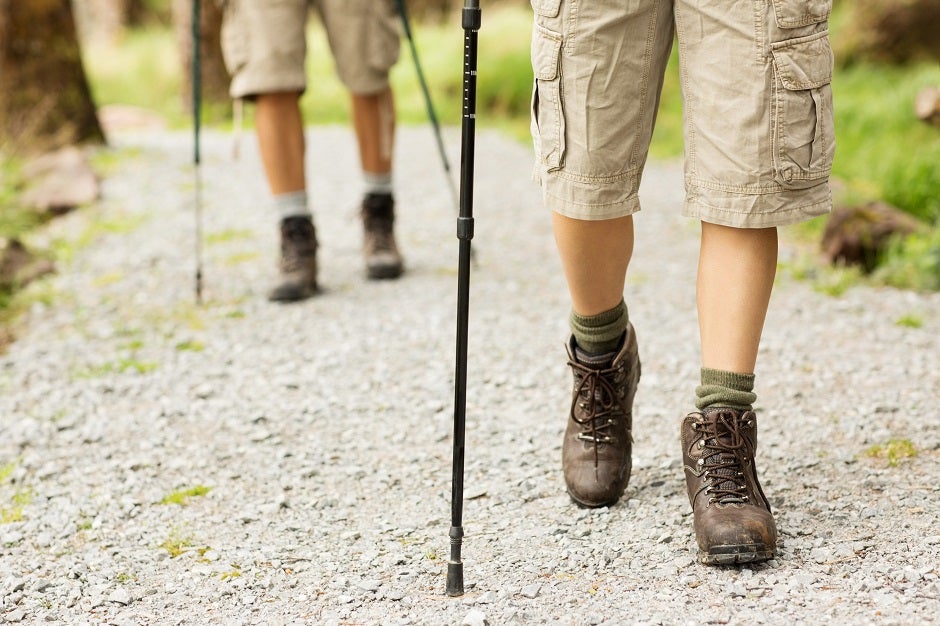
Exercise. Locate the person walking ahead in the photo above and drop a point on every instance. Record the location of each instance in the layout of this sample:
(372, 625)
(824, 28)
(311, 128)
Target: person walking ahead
(758, 152)
(264, 47)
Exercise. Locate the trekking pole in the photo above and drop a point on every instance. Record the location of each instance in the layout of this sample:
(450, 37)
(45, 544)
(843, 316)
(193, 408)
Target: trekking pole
(471, 24)
(197, 110)
(406, 23)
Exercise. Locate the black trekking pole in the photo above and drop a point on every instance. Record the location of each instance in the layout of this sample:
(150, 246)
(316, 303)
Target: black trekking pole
(406, 23)
(197, 115)
(471, 24)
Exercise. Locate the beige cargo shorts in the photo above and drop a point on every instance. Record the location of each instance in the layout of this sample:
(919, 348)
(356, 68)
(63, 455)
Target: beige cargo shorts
(755, 78)
(264, 44)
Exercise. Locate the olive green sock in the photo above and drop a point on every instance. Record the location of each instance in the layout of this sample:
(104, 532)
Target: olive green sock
(597, 334)
(725, 389)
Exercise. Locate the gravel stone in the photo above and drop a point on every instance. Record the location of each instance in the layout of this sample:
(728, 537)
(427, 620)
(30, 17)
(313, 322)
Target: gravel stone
(322, 430)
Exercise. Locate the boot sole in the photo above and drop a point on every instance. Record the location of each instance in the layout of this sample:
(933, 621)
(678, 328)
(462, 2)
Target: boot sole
(382, 272)
(734, 555)
(292, 295)
(591, 505)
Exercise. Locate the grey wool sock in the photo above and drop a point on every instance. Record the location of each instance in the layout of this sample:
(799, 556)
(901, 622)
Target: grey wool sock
(377, 183)
(725, 389)
(291, 204)
(601, 333)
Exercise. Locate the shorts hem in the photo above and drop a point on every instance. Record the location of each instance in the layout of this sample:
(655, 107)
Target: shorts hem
(758, 210)
(613, 200)
(248, 86)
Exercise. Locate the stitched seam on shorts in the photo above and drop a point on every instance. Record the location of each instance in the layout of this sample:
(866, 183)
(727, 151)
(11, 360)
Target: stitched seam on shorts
(582, 178)
(630, 200)
(686, 98)
(644, 89)
(761, 47)
(724, 209)
(571, 35)
(750, 190)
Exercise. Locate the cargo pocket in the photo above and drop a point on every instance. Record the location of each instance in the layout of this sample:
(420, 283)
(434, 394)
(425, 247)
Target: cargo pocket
(804, 141)
(548, 120)
(796, 13)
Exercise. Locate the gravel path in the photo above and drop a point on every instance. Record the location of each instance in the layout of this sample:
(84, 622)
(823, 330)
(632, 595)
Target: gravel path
(248, 463)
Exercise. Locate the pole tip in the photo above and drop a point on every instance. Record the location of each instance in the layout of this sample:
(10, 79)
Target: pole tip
(454, 578)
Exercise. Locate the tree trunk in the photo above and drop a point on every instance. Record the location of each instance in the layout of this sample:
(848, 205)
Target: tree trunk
(45, 102)
(214, 76)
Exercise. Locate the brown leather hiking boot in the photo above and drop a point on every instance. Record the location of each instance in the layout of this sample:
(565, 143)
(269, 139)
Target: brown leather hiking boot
(595, 453)
(381, 253)
(732, 518)
(298, 261)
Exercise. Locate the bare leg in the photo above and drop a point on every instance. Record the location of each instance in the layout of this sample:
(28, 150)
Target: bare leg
(280, 131)
(735, 279)
(374, 122)
(594, 256)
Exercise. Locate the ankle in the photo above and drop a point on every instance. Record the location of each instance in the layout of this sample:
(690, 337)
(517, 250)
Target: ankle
(602, 333)
(725, 389)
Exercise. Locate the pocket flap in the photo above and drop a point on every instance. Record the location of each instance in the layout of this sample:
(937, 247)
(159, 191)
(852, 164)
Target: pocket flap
(804, 63)
(548, 8)
(546, 50)
(796, 13)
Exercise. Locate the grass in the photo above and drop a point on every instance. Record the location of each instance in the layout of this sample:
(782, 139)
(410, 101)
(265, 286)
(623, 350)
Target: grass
(177, 543)
(876, 130)
(118, 366)
(13, 512)
(910, 321)
(14, 219)
(190, 346)
(182, 496)
(912, 262)
(894, 451)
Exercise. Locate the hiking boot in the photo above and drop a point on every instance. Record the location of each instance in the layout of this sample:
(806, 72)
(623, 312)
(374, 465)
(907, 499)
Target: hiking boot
(379, 249)
(732, 518)
(298, 261)
(595, 453)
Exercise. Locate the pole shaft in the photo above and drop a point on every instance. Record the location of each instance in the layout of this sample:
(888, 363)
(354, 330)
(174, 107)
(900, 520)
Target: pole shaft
(471, 24)
(432, 114)
(197, 156)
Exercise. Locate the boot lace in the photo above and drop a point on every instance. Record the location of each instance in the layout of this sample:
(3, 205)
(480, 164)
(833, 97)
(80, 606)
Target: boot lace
(379, 221)
(297, 243)
(599, 402)
(380, 233)
(725, 452)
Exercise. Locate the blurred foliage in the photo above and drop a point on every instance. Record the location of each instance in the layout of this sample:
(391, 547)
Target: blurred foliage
(888, 31)
(14, 219)
(912, 262)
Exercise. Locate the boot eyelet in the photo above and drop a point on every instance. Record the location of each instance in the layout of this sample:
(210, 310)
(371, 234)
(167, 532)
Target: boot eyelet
(701, 462)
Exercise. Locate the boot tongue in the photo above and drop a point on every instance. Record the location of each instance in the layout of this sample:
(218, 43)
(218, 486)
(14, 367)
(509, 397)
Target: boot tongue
(724, 440)
(729, 485)
(594, 361)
